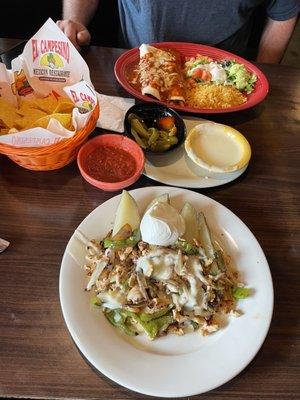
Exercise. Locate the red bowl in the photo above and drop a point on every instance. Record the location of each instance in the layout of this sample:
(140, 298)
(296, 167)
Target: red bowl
(118, 141)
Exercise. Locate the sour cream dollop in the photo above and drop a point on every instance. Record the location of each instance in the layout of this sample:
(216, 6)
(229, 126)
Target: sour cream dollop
(218, 74)
(162, 225)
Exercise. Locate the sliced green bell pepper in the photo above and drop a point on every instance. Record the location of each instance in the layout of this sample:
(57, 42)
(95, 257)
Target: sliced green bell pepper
(117, 244)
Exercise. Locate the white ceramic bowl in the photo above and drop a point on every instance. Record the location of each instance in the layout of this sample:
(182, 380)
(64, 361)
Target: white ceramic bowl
(216, 151)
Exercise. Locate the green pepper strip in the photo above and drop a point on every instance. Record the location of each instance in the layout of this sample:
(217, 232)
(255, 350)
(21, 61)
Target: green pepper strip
(220, 260)
(148, 317)
(241, 292)
(150, 326)
(121, 322)
(117, 244)
(188, 248)
(140, 129)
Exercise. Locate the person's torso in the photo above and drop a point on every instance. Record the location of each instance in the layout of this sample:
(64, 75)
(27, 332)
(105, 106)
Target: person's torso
(213, 22)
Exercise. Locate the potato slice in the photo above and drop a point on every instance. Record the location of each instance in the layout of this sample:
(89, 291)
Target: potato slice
(124, 233)
(127, 213)
(196, 228)
(190, 216)
(163, 198)
(205, 237)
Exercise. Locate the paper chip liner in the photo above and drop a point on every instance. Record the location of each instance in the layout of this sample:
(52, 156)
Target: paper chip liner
(49, 64)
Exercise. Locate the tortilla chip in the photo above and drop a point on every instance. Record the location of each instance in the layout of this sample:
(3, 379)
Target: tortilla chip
(64, 107)
(3, 124)
(7, 113)
(25, 104)
(64, 119)
(35, 113)
(41, 122)
(47, 104)
(31, 113)
(4, 131)
(13, 130)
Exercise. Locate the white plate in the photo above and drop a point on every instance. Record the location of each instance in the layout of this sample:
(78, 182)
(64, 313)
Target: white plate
(173, 168)
(172, 366)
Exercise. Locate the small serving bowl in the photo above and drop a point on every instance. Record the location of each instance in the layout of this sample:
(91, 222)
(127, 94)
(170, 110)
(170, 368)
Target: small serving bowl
(119, 142)
(217, 151)
(150, 113)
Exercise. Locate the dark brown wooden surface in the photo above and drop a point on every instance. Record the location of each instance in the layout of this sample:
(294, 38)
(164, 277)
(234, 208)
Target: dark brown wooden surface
(6, 44)
(40, 210)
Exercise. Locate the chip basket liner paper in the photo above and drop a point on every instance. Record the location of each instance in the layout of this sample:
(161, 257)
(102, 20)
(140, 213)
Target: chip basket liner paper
(54, 156)
(49, 64)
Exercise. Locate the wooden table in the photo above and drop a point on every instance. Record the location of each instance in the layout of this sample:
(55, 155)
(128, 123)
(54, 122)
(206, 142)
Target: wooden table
(7, 44)
(40, 210)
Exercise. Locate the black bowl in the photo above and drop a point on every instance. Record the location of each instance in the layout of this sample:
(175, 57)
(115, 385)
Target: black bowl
(150, 113)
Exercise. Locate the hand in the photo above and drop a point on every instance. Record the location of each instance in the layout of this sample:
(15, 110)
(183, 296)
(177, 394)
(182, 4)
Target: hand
(76, 32)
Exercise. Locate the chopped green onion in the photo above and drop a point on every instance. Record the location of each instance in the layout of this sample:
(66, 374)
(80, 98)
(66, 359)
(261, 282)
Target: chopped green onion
(241, 293)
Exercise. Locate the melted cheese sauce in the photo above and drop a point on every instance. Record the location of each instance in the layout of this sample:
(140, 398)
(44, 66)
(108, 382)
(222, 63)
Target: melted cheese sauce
(218, 149)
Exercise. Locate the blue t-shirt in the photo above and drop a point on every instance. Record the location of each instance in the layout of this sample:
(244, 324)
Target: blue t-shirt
(222, 23)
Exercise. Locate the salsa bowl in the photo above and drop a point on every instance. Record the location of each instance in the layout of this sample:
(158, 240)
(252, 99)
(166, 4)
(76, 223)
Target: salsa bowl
(111, 162)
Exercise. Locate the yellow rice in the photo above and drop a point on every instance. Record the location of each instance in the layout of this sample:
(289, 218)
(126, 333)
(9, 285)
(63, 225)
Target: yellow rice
(214, 96)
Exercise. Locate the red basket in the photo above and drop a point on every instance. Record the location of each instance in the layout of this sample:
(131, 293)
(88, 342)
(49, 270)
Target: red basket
(54, 156)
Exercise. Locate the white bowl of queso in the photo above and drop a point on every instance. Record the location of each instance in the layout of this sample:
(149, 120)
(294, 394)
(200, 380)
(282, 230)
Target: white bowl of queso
(216, 151)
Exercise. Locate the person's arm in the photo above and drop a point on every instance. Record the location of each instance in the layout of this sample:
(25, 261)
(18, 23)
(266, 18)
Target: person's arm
(274, 40)
(76, 16)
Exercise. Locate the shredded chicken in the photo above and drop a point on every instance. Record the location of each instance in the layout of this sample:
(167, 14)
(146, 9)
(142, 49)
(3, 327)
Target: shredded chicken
(182, 292)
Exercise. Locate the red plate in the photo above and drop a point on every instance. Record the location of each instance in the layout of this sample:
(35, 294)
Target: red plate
(261, 88)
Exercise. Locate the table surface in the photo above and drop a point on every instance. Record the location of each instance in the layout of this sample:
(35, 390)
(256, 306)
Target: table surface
(40, 210)
(6, 44)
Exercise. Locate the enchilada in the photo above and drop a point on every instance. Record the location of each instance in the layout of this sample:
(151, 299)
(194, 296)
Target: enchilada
(159, 74)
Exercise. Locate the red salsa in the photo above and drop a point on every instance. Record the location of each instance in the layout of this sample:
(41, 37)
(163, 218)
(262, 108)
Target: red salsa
(110, 164)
